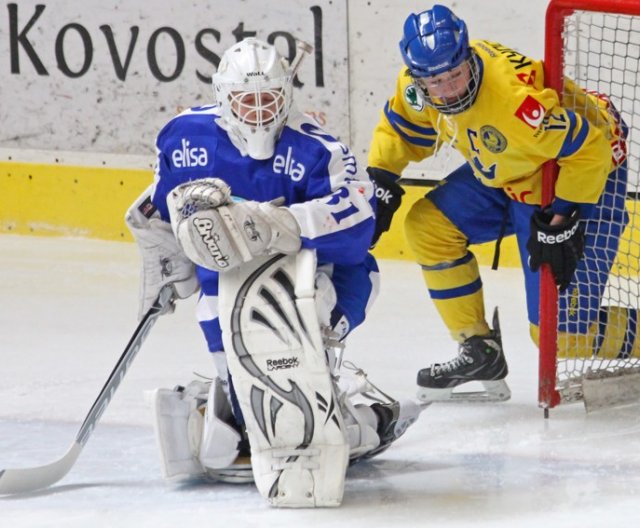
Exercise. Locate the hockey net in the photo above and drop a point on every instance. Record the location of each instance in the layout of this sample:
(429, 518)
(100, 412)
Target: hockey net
(597, 44)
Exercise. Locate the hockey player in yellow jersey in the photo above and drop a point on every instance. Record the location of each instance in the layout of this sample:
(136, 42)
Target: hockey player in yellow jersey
(489, 102)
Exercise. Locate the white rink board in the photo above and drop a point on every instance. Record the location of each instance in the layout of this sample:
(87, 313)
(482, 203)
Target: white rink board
(104, 76)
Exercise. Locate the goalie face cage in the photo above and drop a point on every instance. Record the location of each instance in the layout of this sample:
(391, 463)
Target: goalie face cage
(597, 44)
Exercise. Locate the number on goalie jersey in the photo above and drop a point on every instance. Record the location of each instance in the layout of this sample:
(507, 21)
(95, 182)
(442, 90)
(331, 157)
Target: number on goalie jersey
(490, 103)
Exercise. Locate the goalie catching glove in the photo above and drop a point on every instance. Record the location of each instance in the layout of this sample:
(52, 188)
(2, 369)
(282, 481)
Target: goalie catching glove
(561, 246)
(197, 195)
(220, 235)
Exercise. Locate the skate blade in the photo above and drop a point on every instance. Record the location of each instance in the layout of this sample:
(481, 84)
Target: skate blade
(238, 473)
(494, 391)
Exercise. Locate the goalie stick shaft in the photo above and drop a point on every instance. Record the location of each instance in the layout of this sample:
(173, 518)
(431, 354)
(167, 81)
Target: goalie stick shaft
(305, 49)
(22, 480)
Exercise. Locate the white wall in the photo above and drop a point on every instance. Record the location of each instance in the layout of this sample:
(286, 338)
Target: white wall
(49, 114)
(102, 76)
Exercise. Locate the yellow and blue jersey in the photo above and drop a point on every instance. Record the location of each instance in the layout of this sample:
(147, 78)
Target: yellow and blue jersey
(514, 126)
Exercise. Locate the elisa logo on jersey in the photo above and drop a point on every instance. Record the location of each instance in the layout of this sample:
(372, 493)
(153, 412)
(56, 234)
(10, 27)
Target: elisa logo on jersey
(188, 156)
(412, 96)
(531, 112)
(288, 165)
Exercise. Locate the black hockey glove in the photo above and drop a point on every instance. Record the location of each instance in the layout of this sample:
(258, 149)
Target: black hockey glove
(561, 246)
(388, 198)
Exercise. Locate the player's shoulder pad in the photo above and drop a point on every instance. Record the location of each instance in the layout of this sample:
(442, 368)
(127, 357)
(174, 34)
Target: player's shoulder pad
(319, 145)
(195, 114)
(510, 75)
(187, 120)
(307, 127)
(511, 59)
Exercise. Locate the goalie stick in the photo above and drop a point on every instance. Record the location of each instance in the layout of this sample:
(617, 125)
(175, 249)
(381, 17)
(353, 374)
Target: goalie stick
(23, 480)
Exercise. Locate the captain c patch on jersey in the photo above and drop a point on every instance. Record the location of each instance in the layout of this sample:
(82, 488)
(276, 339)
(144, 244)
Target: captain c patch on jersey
(531, 112)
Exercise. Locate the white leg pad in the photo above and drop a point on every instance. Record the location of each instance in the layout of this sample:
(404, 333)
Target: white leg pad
(176, 424)
(299, 448)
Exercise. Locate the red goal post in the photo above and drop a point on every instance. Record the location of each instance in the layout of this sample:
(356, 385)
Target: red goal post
(597, 44)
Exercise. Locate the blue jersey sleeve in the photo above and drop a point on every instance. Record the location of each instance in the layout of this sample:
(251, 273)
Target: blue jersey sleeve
(337, 220)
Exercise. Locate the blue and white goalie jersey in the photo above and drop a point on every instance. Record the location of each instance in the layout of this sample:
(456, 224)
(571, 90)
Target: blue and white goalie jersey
(330, 196)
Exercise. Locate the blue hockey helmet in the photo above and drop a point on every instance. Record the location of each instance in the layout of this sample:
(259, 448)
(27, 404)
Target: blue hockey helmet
(434, 41)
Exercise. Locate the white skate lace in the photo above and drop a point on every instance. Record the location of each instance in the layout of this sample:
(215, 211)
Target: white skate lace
(300, 458)
(453, 364)
(364, 385)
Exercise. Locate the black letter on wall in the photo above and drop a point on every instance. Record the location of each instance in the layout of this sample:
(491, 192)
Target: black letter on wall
(120, 69)
(16, 39)
(206, 53)
(291, 53)
(241, 34)
(86, 44)
(153, 60)
(317, 44)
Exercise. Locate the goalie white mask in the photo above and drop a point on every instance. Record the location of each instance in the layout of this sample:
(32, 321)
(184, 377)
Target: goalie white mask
(253, 87)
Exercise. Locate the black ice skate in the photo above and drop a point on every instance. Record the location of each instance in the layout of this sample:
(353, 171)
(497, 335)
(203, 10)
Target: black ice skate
(481, 359)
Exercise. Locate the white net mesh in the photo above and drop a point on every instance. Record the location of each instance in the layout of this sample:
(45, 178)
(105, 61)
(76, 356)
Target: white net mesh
(602, 55)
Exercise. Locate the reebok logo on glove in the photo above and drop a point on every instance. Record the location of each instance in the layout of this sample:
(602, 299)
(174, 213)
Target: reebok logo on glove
(561, 245)
(388, 195)
(546, 238)
(383, 195)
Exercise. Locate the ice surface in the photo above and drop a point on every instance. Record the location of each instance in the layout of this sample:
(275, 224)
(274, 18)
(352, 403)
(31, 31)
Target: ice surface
(68, 308)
